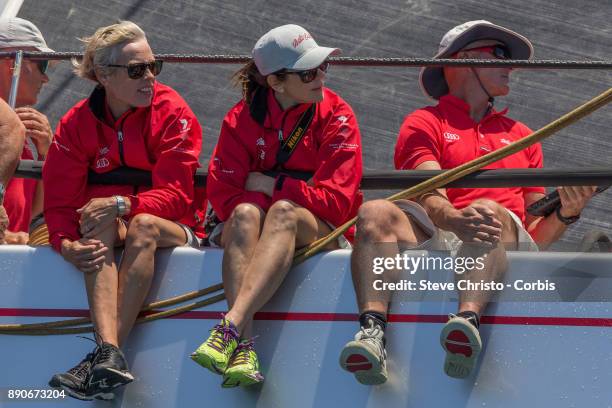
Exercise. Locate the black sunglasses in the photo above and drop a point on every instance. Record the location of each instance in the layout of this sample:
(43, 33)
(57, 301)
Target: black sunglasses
(137, 70)
(499, 51)
(308, 75)
(43, 65)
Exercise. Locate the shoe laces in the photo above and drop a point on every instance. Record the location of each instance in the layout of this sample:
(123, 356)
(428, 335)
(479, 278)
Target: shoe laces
(474, 321)
(82, 369)
(221, 335)
(372, 334)
(242, 354)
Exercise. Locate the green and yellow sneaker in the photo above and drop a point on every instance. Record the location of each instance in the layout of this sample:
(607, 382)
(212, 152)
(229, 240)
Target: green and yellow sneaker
(216, 351)
(243, 368)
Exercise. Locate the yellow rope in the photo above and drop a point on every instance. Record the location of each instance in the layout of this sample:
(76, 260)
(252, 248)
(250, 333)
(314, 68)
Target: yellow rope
(62, 327)
(13, 328)
(39, 236)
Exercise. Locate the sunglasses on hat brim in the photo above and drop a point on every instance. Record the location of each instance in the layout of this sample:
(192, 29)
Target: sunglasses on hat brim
(138, 70)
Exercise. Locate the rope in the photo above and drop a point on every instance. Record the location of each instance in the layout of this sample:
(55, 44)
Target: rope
(347, 61)
(446, 177)
(426, 186)
(47, 330)
(63, 326)
(39, 236)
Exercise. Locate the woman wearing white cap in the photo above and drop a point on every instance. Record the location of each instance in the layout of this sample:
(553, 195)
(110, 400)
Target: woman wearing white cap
(287, 166)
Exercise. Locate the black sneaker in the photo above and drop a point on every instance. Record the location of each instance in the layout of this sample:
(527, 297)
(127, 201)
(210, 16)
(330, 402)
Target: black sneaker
(74, 381)
(109, 370)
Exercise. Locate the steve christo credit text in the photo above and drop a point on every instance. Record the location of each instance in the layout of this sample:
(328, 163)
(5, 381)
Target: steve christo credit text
(459, 265)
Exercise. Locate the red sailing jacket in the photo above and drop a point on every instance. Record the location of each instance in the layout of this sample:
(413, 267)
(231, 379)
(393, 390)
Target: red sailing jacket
(330, 148)
(164, 138)
(20, 194)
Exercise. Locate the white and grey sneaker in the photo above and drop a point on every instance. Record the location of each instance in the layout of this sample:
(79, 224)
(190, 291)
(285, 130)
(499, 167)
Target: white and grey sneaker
(366, 356)
(461, 342)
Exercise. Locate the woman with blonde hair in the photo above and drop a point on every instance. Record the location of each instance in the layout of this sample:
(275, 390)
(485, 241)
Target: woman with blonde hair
(285, 170)
(129, 120)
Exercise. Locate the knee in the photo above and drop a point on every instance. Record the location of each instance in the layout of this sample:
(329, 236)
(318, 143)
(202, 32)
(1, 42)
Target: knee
(142, 232)
(283, 213)
(376, 219)
(499, 210)
(245, 215)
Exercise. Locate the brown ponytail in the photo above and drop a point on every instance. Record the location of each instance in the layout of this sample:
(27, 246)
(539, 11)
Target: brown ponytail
(250, 80)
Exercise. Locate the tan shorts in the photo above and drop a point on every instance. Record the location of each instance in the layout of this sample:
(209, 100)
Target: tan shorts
(446, 240)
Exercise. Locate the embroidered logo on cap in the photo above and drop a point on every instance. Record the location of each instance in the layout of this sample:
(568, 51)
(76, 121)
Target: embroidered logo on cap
(299, 39)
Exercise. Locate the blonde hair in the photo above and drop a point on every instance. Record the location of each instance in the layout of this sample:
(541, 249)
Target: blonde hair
(104, 48)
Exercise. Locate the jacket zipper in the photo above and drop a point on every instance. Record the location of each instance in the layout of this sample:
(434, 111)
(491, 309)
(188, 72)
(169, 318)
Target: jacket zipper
(120, 139)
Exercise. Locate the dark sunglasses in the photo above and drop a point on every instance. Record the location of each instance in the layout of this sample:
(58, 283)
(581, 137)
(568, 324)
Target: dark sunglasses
(308, 75)
(137, 71)
(499, 51)
(43, 65)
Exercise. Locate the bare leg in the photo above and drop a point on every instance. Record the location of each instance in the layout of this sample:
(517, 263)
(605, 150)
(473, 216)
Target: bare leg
(102, 287)
(495, 261)
(145, 234)
(379, 221)
(240, 236)
(286, 226)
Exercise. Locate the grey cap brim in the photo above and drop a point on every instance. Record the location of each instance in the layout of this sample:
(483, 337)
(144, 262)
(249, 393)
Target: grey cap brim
(432, 79)
(314, 57)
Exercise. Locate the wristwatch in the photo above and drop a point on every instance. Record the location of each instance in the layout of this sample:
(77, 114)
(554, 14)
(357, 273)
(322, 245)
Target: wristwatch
(121, 207)
(2, 191)
(566, 220)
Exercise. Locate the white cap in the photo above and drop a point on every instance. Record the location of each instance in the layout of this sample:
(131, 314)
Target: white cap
(16, 32)
(289, 47)
(432, 79)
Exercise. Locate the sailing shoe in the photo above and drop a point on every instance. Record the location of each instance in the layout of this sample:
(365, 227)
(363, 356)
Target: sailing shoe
(243, 367)
(366, 356)
(461, 341)
(109, 370)
(216, 351)
(74, 381)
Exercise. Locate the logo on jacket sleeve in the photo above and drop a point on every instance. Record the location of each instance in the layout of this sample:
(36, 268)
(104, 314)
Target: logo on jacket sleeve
(185, 124)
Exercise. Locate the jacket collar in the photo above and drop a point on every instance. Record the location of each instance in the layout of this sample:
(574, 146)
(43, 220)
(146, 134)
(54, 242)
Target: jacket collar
(100, 109)
(450, 102)
(266, 110)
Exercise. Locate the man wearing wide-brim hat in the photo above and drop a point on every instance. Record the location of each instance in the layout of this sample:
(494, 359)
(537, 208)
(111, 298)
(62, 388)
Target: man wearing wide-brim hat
(24, 197)
(477, 223)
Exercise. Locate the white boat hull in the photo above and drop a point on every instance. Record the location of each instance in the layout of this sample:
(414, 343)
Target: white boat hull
(546, 354)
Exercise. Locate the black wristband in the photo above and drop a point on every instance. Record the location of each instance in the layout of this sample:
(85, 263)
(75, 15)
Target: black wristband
(566, 220)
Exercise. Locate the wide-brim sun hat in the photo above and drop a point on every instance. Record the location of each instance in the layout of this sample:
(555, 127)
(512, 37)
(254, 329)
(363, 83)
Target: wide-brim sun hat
(432, 79)
(289, 47)
(16, 32)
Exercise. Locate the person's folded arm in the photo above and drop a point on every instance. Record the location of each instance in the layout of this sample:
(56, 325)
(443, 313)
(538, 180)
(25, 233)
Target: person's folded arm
(228, 171)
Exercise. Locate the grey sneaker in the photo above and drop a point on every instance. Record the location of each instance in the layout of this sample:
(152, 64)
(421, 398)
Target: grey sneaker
(461, 342)
(366, 356)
